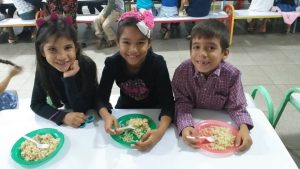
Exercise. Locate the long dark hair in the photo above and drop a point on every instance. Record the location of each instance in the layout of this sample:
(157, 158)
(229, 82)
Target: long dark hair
(55, 28)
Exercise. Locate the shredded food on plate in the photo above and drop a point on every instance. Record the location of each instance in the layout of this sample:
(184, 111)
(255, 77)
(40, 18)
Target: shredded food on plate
(30, 152)
(223, 137)
(141, 127)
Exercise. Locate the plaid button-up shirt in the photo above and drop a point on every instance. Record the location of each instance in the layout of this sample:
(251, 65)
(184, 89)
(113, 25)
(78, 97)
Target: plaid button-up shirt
(221, 90)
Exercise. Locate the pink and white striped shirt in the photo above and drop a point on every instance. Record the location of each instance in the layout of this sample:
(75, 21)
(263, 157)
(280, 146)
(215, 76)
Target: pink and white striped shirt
(221, 90)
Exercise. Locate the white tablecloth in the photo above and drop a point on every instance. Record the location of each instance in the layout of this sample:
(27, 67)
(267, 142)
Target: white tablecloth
(92, 148)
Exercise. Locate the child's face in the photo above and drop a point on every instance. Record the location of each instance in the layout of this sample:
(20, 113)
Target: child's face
(206, 54)
(133, 46)
(59, 52)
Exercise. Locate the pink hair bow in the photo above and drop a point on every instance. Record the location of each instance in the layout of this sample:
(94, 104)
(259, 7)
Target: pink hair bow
(146, 19)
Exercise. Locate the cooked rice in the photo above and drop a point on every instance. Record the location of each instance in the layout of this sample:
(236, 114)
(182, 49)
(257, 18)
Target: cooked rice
(30, 152)
(223, 137)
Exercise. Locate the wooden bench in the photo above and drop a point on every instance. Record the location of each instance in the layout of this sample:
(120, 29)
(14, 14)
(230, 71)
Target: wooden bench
(221, 15)
(217, 15)
(247, 14)
(15, 22)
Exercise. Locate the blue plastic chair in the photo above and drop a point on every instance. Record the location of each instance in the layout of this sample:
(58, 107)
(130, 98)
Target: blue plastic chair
(292, 96)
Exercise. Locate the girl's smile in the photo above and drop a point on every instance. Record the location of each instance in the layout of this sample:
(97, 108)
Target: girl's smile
(60, 53)
(133, 46)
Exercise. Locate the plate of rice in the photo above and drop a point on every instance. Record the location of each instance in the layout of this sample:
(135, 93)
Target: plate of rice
(26, 153)
(142, 124)
(223, 133)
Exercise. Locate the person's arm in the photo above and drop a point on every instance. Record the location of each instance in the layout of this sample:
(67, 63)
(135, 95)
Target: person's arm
(236, 107)
(164, 89)
(152, 137)
(236, 103)
(109, 8)
(103, 96)
(14, 71)
(183, 103)
(82, 99)
(40, 106)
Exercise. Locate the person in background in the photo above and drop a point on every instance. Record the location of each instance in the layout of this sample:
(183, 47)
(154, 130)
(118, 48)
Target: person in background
(26, 11)
(92, 6)
(104, 23)
(207, 81)
(168, 9)
(8, 100)
(7, 11)
(288, 10)
(183, 5)
(141, 75)
(145, 5)
(67, 7)
(63, 74)
(259, 6)
(196, 8)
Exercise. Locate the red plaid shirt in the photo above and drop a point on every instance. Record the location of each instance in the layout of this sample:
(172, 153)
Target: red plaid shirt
(221, 90)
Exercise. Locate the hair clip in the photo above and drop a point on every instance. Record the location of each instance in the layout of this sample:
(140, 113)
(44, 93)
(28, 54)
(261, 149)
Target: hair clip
(54, 18)
(40, 22)
(68, 20)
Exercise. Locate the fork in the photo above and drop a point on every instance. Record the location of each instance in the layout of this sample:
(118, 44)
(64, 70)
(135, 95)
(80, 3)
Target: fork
(39, 145)
(208, 138)
(129, 127)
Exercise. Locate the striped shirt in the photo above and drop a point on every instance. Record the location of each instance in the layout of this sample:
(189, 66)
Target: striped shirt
(221, 90)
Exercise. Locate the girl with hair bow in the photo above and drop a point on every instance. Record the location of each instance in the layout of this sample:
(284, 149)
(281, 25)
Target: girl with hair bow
(141, 75)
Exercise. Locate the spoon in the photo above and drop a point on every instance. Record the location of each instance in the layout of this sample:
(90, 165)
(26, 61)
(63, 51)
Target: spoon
(126, 127)
(39, 145)
(209, 139)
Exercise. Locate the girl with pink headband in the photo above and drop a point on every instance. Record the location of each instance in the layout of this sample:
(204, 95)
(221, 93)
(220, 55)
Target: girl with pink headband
(141, 75)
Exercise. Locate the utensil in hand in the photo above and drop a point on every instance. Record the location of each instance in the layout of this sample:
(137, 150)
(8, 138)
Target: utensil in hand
(89, 119)
(39, 145)
(208, 138)
(126, 128)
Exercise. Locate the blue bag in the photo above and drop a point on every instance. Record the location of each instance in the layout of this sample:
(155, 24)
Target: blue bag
(8, 100)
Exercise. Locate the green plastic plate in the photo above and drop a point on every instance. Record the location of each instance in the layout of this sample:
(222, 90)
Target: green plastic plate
(16, 151)
(122, 123)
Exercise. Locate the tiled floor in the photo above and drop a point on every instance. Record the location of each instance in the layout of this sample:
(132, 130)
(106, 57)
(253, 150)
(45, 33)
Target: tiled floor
(272, 60)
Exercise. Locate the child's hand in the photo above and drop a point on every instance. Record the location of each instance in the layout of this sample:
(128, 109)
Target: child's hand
(148, 140)
(243, 139)
(189, 131)
(74, 68)
(109, 120)
(74, 119)
(15, 70)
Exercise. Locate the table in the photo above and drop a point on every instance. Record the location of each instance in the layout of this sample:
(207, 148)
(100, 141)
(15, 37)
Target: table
(92, 148)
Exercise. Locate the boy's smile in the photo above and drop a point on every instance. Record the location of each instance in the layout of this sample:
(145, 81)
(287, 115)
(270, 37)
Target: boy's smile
(207, 54)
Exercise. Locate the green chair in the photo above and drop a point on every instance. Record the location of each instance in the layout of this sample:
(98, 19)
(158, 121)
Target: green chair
(292, 96)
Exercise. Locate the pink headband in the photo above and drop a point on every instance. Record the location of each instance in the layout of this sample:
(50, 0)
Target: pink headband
(53, 17)
(146, 19)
